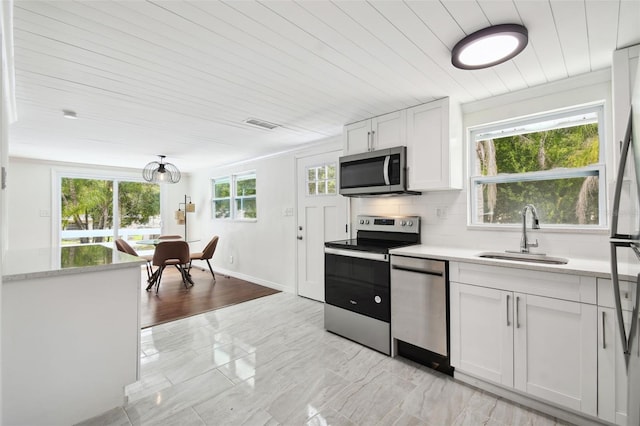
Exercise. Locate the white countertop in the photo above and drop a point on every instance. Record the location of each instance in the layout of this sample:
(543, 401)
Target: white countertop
(19, 265)
(590, 267)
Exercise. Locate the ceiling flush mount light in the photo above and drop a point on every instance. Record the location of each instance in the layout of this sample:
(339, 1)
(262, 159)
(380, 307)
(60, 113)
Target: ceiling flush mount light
(66, 113)
(161, 172)
(489, 46)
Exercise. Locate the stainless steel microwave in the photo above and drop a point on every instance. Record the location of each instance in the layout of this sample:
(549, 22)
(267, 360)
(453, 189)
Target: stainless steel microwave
(375, 173)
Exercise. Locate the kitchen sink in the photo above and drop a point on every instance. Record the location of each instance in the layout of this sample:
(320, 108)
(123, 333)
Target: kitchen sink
(524, 257)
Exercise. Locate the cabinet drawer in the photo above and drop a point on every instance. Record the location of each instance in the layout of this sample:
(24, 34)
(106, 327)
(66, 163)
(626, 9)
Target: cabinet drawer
(577, 288)
(605, 294)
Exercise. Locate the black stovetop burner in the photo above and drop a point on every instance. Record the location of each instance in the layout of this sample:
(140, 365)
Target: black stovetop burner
(364, 244)
(379, 234)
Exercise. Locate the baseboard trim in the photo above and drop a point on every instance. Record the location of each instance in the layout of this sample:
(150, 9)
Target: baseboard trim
(256, 280)
(527, 401)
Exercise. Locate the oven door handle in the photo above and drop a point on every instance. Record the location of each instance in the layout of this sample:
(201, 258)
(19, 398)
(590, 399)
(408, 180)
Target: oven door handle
(358, 254)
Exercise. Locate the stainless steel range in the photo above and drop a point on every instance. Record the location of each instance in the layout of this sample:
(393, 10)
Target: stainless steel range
(357, 279)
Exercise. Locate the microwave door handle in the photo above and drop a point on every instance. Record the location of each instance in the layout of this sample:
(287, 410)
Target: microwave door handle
(387, 160)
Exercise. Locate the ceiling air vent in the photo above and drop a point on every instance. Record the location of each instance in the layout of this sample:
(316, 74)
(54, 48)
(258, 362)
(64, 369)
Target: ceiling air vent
(261, 123)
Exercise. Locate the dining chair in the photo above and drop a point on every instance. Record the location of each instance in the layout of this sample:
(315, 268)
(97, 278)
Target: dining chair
(124, 247)
(170, 253)
(170, 237)
(206, 254)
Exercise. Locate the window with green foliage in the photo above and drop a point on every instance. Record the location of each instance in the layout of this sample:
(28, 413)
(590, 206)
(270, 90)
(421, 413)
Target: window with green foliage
(554, 161)
(100, 210)
(234, 197)
(245, 196)
(222, 198)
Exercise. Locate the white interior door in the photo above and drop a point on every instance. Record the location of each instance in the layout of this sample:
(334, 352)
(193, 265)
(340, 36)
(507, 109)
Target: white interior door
(322, 216)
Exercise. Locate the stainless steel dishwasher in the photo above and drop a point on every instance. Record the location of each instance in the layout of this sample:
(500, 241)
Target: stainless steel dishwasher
(420, 311)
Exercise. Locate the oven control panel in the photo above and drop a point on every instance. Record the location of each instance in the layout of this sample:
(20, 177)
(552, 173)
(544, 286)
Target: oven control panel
(409, 224)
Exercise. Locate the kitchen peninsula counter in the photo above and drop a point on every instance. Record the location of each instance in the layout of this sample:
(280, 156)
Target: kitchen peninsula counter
(19, 265)
(70, 332)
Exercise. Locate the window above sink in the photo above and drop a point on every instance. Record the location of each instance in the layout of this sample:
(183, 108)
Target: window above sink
(554, 160)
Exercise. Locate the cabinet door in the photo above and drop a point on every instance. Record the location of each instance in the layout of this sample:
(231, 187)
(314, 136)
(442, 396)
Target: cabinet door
(434, 154)
(389, 130)
(357, 137)
(555, 347)
(482, 332)
(612, 372)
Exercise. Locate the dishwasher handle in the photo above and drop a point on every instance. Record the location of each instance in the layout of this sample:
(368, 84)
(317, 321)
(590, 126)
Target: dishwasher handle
(417, 270)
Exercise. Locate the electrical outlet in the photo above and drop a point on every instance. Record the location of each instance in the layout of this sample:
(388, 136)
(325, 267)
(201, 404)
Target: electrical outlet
(441, 212)
(45, 213)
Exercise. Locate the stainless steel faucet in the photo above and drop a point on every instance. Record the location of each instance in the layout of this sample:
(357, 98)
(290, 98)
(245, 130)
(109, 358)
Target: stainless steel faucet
(524, 242)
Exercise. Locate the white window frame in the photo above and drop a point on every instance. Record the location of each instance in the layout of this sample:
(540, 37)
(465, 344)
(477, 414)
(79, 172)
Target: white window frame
(232, 179)
(326, 179)
(235, 196)
(58, 234)
(511, 127)
(224, 179)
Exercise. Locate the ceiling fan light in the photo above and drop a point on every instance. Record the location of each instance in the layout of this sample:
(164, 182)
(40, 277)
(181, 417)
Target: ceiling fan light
(489, 46)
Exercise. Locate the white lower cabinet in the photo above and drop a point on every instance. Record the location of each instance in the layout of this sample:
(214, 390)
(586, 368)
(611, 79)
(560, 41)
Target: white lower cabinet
(481, 332)
(555, 351)
(542, 346)
(612, 370)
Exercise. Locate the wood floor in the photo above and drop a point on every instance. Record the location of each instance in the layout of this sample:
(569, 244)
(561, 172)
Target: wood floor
(174, 301)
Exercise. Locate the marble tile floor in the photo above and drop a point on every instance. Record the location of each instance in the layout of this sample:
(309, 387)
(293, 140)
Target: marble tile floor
(269, 361)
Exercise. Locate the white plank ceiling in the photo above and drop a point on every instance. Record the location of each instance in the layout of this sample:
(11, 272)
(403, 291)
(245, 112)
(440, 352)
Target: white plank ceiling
(180, 77)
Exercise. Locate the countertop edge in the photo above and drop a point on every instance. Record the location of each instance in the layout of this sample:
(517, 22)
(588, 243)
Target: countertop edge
(70, 271)
(585, 267)
(124, 261)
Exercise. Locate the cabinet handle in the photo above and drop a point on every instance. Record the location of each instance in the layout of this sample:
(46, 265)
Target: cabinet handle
(517, 312)
(369, 141)
(373, 135)
(604, 337)
(508, 322)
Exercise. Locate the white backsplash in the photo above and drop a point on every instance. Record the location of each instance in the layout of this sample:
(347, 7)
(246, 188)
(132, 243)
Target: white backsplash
(444, 222)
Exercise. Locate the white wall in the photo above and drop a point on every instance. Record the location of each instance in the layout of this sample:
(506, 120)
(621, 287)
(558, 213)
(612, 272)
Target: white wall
(452, 228)
(263, 250)
(32, 217)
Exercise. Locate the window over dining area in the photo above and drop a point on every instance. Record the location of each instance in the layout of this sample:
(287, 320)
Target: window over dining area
(554, 161)
(235, 197)
(97, 210)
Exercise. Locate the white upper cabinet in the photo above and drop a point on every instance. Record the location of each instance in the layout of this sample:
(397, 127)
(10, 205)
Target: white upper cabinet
(431, 132)
(434, 146)
(380, 132)
(623, 70)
